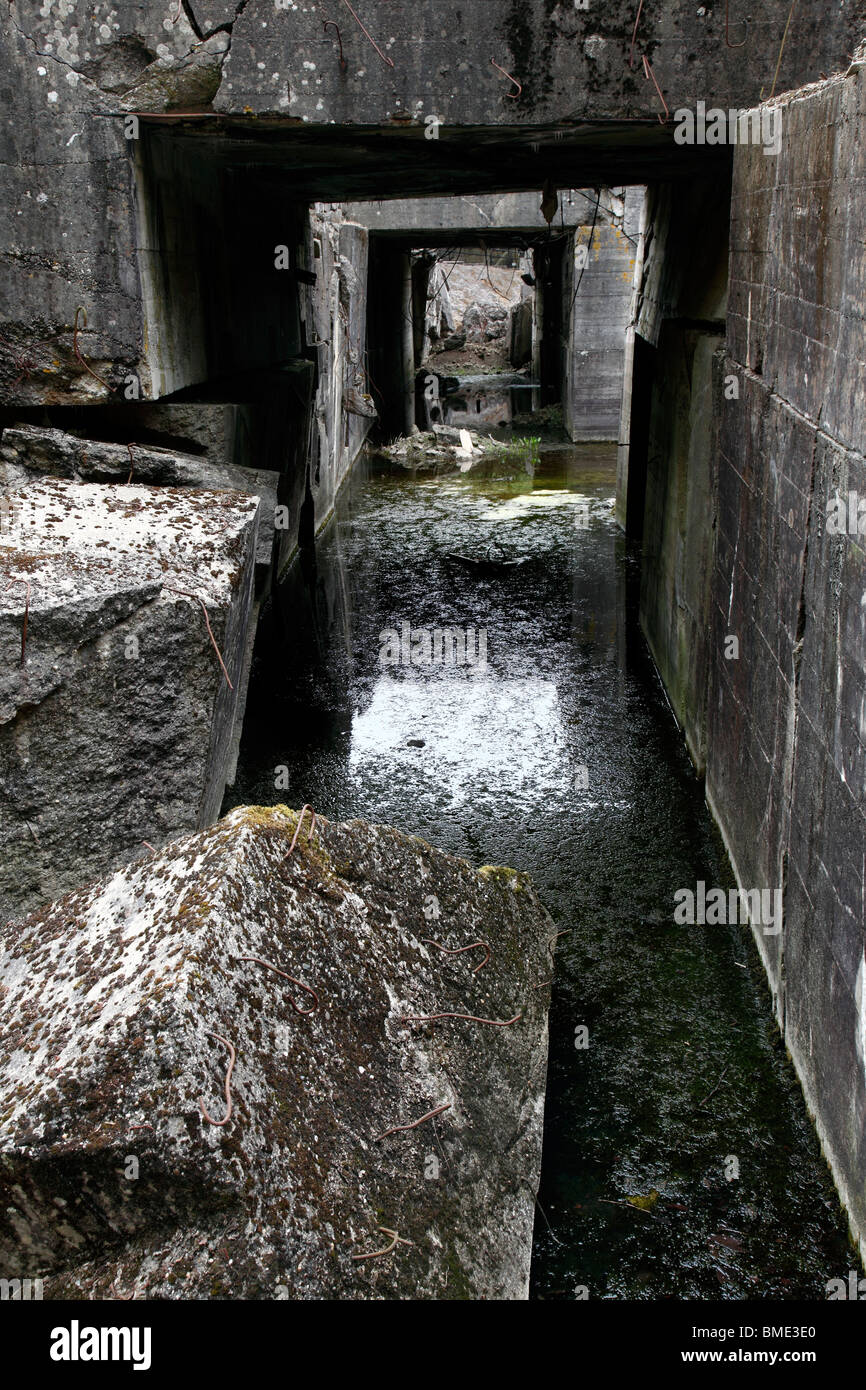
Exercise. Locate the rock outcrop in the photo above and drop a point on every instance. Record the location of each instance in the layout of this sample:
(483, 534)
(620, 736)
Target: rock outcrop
(134, 1009)
(117, 721)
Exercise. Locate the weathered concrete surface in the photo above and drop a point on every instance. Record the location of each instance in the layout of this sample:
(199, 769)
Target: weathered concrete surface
(116, 721)
(27, 451)
(115, 1185)
(598, 292)
(335, 321)
(680, 313)
(496, 218)
(83, 221)
(569, 62)
(787, 720)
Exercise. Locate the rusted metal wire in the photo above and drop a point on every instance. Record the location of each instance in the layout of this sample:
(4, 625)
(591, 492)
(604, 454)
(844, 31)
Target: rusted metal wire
(634, 35)
(728, 28)
(460, 949)
(26, 583)
(470, 1018)
(77, 350)
(299, 983)
(383, 56)
(512, 96)
(306, 807)
(187, 594)
(395, 1241)
(332, 24)
(399, 1129)
(228, 1114)
(648, 72)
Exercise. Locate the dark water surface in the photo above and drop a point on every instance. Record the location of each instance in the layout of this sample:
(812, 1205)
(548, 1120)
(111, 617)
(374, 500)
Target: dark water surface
(563, 759)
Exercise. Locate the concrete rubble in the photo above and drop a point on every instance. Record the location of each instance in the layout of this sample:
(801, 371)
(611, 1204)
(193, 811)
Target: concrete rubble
(117, 723)
(125, 1003)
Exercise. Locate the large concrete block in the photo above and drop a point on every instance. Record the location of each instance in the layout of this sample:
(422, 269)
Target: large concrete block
(116, 718)
(124, 1004)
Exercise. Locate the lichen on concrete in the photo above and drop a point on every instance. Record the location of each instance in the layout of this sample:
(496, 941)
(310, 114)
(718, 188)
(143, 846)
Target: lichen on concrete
(115, 1185)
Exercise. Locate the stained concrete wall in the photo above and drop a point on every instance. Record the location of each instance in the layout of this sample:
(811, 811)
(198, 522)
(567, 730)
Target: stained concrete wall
(787, 720)
(599, 300)
(498, 216)
(76, 227)
(681, 310)
(753, 608)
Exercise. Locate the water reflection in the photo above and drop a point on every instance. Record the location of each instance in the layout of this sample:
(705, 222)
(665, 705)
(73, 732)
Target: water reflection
(561, 758)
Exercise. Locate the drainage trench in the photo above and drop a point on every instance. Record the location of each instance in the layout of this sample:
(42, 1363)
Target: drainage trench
(679, 1160)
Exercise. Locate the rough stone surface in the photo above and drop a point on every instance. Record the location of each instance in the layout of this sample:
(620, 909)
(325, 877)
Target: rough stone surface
(114, 1184)
(779, 718)
(117, 724)
(27, 451)
(569, 62)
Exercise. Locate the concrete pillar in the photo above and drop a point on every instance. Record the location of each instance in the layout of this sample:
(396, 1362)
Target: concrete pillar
(408, 346)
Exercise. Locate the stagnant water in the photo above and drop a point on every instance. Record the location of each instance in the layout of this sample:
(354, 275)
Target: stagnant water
(562, 759)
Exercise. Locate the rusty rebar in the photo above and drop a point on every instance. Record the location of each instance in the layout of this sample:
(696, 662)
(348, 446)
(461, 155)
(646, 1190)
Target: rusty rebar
(332, 24)
(299, 983)
(26, 583)
(228, 1114)
(77, 350)
(781, 51)
(399, 1129)
(383, 56)
(634, 35)
(728, 28)
(460, 949)
(187, 594)
(648, 72)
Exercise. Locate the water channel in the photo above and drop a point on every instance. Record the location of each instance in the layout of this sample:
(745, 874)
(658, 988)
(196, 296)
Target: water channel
(679, 1160)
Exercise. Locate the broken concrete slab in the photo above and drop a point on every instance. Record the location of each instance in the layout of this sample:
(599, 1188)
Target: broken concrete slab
(116, 719)
(135, 1008)
(26, 450)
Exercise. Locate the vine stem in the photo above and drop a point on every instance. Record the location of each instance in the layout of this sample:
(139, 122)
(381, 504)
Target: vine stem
(428, 941)
(395, 1240)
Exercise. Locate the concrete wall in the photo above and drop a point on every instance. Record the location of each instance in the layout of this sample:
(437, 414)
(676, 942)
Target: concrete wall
(76, 226)
(681, 308)
(787, 721)
(753, 607)
(599, 292)
(482, 214)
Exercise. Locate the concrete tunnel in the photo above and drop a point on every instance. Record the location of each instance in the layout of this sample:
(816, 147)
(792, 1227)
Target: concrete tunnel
(238, 209)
